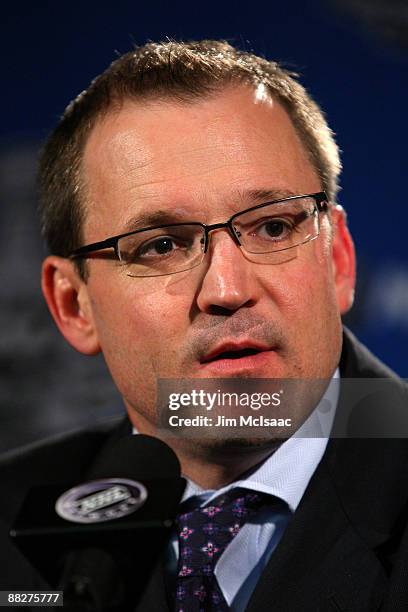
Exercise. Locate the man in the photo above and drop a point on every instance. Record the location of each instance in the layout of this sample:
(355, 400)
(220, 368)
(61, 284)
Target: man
(189, 202)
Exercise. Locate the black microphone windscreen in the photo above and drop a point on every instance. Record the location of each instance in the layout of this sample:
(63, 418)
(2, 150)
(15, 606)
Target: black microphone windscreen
(93, 531)
(138, 457)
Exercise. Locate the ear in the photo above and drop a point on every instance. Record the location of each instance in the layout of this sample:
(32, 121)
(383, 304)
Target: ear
(343, 260)
(67, 297)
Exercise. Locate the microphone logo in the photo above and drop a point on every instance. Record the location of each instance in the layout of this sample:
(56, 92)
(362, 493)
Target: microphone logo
(101, 500)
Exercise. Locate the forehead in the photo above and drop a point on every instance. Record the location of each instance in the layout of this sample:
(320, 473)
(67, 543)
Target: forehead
(199, 159)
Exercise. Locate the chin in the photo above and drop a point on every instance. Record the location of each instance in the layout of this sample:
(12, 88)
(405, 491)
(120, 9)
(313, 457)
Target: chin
(212, 448)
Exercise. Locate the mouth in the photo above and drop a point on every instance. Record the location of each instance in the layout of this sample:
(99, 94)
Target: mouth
(232, 357)
(231, 354)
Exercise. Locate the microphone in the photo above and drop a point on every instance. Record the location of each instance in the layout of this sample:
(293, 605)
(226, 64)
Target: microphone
(99, 541)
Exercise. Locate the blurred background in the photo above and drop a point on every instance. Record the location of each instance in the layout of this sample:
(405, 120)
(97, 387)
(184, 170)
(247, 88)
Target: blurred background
(351, 54)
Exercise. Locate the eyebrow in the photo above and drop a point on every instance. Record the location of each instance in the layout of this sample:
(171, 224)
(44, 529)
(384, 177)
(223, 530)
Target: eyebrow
(163, 217)
(153, 218)
(256, 196)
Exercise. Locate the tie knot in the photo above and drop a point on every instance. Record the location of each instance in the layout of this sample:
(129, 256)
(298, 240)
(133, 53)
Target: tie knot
(205, 532)
(240, 502)
(242, 499)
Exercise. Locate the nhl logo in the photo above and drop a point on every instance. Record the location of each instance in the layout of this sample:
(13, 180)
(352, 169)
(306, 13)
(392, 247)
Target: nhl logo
(101, 500)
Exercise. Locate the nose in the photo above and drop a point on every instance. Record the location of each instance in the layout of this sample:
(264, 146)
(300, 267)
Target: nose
(228, 282)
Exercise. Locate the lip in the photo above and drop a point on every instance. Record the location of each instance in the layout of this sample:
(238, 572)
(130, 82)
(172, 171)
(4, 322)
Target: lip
(227, 347)
(227, 366)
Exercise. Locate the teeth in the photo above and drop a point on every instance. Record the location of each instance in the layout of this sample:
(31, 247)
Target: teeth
(237, 354)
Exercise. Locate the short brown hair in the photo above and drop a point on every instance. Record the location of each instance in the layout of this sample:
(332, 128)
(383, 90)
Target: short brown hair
(182, 72)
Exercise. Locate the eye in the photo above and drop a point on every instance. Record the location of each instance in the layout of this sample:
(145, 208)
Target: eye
(163, 245)
(274, 228)
(159, 246)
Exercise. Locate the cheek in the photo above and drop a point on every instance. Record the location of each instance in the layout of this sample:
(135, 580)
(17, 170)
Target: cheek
(139, 333)
(139, 324)
(304, 284)
(303, 297)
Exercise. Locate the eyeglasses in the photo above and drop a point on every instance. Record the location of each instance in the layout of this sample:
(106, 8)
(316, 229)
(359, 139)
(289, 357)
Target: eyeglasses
(261, 231)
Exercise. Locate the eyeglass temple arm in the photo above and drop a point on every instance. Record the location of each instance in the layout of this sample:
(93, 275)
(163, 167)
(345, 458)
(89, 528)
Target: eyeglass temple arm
(96, 246)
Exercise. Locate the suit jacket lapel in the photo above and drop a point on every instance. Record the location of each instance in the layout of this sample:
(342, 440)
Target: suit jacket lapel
(321, 563)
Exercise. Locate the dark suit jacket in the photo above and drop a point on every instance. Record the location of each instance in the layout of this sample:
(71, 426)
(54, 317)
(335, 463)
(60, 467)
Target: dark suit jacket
(346, 548)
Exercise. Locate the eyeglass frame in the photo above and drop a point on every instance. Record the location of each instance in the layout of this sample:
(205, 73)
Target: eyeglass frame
(320, 198)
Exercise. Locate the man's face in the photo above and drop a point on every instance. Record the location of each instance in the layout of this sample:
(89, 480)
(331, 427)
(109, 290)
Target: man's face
(204, 161)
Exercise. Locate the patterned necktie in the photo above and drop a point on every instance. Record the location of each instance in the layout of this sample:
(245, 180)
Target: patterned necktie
(203, 534)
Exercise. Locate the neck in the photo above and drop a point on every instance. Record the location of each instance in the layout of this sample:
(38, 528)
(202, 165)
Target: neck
(213, 468)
